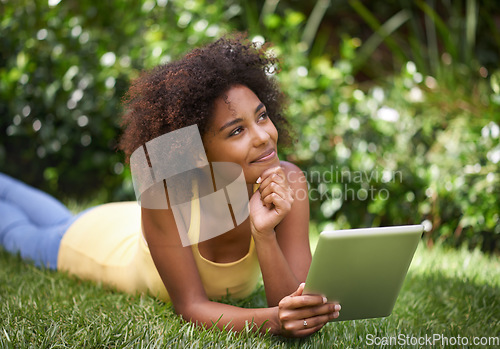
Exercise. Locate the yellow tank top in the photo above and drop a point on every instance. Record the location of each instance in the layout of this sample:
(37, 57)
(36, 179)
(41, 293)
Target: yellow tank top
(106, 245)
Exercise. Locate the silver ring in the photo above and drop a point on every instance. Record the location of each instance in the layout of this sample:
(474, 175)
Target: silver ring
(305, 323)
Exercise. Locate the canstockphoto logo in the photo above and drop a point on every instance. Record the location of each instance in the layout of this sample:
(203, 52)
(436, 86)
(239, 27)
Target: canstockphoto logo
(172, 172)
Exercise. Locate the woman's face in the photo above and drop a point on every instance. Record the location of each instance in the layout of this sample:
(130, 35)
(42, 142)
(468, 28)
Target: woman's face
(241, 132)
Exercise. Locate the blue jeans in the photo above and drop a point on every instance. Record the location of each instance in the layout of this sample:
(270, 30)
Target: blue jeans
(32, 223)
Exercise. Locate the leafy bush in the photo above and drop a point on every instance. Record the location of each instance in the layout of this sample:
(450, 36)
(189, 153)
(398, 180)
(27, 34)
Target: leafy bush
(408, 151)
(64, 67)
(399, 155)
(419, 144)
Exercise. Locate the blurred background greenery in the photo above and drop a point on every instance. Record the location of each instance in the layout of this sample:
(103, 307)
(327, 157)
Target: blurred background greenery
(396, 104)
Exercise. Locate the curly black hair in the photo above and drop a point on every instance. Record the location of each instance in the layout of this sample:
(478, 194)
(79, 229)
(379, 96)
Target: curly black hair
(182, 93)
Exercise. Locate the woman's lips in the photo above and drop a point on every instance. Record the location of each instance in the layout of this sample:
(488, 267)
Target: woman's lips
(267, 157)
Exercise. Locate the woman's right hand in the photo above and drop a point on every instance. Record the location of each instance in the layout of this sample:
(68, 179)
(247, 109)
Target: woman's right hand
(302, 315)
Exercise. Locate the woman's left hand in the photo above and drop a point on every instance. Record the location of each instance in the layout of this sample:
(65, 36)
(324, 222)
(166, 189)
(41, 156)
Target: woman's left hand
(271, 203)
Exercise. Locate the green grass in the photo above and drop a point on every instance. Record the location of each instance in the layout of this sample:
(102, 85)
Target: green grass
(446, 292)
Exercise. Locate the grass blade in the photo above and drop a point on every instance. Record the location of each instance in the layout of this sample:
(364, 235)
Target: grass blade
(385, 30)
(251, 16)
(314, 21)
(430, 29)
(379, 36)
(268, 9)
(445, 33)
(470, 28)
(416, 40)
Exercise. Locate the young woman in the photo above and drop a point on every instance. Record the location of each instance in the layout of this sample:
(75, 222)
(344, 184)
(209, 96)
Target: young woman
(225, 89)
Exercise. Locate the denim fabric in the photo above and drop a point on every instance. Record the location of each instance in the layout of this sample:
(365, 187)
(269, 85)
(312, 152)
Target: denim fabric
(32, 223)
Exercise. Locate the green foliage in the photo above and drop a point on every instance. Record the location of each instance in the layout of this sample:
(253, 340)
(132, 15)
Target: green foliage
(60, 79)
(399, 153)
(419, 142)
(421, 146)
(63, 70)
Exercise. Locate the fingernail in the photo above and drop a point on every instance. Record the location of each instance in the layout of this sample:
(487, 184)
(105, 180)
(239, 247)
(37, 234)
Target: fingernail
(258, 180)
(336, 314)
(325, 300)
(302, 284)
(337, 307)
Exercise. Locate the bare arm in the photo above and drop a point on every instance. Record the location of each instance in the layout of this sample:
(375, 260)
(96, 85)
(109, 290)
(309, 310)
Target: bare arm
(284, 252)
(231, 317)
(286, 319)
(279, 216)
(177, 268)
(179, 273)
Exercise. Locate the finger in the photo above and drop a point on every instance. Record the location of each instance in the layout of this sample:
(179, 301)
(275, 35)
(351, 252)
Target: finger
(268, 199)
(299, 290)
(267, 176)
(277, 176)
(270, 184)
(267, 196)
(301, 301)
(277, 182)
(282, 189)
(280, 205)
(302, 332)
(312, 322)
(327, 309)
(308, 331)
(275, 169)
(276, 172)
(299, 328)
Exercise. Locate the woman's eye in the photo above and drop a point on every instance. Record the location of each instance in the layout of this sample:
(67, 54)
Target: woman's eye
(236, 131)
(263, 116)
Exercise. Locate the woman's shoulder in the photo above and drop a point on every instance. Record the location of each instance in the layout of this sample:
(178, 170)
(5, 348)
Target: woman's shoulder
(290, 166)
(293, 173)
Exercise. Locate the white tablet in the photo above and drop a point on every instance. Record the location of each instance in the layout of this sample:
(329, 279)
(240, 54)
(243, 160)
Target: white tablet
(362, 269)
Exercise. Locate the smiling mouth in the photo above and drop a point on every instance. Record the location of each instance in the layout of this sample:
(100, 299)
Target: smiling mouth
(266, 156)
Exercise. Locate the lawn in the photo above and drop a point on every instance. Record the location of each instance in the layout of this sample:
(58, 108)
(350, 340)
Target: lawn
(447, 293)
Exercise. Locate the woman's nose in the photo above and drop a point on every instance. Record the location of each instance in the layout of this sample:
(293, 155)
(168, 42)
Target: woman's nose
(260, 135)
